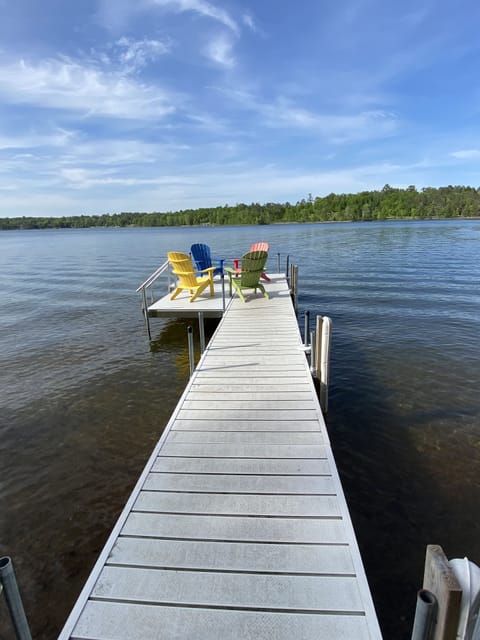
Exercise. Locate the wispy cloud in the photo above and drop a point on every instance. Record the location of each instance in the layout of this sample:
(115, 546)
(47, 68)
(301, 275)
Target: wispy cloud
(136, 54)
(202, 8)
(248, 20)
(33, 139)
(207, 184)
(220, 50)
(68, 85)
(283, 113)
(80, 178)
(337, 128)
(466, 154)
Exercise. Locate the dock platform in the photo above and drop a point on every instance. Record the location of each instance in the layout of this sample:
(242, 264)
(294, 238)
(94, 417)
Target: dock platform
(238, 527)
(181, 307)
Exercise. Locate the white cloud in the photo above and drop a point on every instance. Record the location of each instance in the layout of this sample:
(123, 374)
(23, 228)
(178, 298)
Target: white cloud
(201, 7)
(121, 152)
(336, 128)
(32, 140)
(84, 179)
(75, 175)
(219, 49)
(65, 84)
(211, 184)
(466, 154)
(248, 20)
(136, 54)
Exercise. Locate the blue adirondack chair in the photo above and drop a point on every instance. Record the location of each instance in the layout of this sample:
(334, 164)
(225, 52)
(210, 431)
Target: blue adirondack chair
(203, 259)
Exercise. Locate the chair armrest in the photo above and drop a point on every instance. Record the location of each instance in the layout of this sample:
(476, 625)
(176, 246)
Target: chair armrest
(211, 269)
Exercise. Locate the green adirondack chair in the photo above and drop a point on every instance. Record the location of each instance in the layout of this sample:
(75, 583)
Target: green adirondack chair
(253, 265)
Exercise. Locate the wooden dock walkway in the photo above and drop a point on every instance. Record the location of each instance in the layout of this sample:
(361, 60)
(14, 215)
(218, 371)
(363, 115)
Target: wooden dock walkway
(238, 528)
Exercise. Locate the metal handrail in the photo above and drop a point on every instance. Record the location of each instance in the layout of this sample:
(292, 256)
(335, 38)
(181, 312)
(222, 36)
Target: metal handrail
(156, 274)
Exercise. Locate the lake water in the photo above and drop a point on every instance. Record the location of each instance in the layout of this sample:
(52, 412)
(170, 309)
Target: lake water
(85, 397)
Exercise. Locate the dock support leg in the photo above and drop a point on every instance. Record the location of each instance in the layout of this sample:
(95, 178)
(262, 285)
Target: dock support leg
(14, 600)
(145, 313)
(313, 354)
(191, 350)
(440, 580)
(425, 616)
(223, 290)
(201, 327)
(294, 285)
(306, 329)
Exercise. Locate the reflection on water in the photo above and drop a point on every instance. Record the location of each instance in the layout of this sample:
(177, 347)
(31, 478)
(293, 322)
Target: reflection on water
(174, 335)
(85, 397)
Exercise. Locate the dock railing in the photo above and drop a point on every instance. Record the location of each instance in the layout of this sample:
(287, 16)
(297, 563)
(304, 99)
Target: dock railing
(146, 289)
(148, 286)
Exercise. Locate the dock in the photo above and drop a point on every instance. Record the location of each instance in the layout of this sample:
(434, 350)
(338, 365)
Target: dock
(209, 307)
(238, 527)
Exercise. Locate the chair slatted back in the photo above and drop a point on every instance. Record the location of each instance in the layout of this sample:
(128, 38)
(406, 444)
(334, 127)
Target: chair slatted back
(253, 264)
(202, 256)
(183, 268)
(260, 246)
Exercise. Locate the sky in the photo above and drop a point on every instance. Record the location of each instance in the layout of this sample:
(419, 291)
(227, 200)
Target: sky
(161, 105)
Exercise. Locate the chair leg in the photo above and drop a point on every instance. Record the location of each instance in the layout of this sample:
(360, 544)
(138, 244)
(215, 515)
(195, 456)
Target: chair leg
(212, 292)
(262, 289)
(239, 291)
(198, 291)
(265, 277)
(176, 292)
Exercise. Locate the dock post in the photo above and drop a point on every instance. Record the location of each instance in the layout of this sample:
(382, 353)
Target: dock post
(14, 600)
(318, 346)
(322, 357)
(439, 578)
(145, 312)
(223, 290)
(306, 329)
(425, 616)
(191, 350)
(278, 262)
(313, 353)
(324, 362)
(294, 285)
(287, 270)
(201, 327)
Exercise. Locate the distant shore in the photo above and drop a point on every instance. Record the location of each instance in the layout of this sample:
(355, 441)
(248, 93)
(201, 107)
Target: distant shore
(388, 204)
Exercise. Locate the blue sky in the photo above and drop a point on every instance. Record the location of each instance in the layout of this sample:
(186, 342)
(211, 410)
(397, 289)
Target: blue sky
(160, 105)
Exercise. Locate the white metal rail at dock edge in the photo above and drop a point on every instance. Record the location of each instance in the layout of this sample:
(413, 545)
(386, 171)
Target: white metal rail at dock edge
(238, 527)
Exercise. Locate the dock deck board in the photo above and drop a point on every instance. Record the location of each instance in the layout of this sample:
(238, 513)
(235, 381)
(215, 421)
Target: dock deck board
(238, 527)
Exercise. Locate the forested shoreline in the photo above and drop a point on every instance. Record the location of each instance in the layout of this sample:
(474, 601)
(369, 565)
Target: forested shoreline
(389, 203)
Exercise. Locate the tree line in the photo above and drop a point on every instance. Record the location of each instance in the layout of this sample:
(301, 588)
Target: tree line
(386, 204)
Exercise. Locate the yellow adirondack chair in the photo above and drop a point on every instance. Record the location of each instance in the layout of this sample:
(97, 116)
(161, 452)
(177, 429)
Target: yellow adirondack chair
(187, 279)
